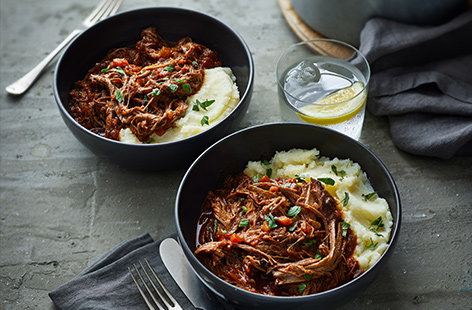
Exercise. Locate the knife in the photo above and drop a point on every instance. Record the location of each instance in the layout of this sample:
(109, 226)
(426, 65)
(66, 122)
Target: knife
(176, 263)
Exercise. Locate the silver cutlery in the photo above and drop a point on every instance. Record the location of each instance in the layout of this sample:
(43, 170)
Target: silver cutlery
(103, 10)
(145, 283)
(176, 263)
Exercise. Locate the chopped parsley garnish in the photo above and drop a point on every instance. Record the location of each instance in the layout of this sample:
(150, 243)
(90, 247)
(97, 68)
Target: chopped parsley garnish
(345, 227)
(194, 63)
(244, 208)
(243, 223)
(169, 68)
(294, 211)
(186, 87)
(339, 173)
(204, 120)
(372, 245)
(368, 196)
(106, 69)
(308, 277)
(195, 108)
(255, 178)
(119, 96)
(269, 172)
(309, 242)
(376, 224)
(328, 181)
(119, 70)
(145, 99)
(173, 87)
(215, 226)
(270, 219)
(155, 92)
(266, 162)
(224, 232)
(204, 104)
(345, 200)
(292, 228)
(300, 178)
(178, 81)
(318, 256)
(301, 287)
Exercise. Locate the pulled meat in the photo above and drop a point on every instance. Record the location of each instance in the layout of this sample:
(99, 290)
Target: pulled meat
(280, 237)
(143, 87)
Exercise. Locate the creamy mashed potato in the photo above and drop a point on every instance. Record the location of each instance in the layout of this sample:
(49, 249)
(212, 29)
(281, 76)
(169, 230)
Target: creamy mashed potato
(219, 85)
(361, 211)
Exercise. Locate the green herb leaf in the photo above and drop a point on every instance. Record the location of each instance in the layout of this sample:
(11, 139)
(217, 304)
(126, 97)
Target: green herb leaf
(204, 120)
(244, 208)
(328, 181)
(292, 228)
(345, 227)
(224, 232)
(205, 104)
(255, 178)
(309, 242)
(372, 245)
(270, 219)
(145, 99)
(178, 81)
(119, 70)
(169, 68)
(215, 226)
(308, 277)
(301, 287)
(243, 223)
(186, 87)
(318, 256)
(376, 224)
(266, 162)
(294, 211)
(173, 87)
(119, 96)
(345, 200)
(300, 178)
(369, 196)
(339, 173)
(195, 108)
(194, 63)
(269, 172)
(155, 92)
(106, 69)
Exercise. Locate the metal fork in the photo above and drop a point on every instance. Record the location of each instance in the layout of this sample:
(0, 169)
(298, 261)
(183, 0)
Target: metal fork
(103, 9)
(163, 302)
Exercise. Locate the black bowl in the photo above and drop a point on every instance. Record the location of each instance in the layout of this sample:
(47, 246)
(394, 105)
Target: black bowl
(230, 155)
(123, 30)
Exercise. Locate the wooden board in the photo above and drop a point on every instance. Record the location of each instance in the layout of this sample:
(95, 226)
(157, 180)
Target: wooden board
(305, 32)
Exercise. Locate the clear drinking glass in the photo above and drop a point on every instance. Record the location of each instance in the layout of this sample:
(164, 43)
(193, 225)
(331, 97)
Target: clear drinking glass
(324, 82)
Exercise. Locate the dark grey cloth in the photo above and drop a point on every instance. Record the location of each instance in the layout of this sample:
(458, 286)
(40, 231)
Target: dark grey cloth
(422, 81)
(107, 285)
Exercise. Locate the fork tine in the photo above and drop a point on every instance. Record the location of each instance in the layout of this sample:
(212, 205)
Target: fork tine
(141, 291)
(155, 288)
(166, 291)
(147, 287)
(97, 9)
(113, 8)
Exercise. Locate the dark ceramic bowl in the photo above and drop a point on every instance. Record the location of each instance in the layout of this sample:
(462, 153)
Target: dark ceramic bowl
(261, 142)
(123, 30)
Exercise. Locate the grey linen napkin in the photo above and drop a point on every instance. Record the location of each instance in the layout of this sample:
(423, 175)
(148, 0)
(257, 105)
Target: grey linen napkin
(422, 81)
(106, 284)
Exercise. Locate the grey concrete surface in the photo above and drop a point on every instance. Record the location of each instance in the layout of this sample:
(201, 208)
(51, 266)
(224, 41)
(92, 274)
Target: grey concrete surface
(61, 207)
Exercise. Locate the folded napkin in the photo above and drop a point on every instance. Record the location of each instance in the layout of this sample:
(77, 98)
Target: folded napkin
(422, 81)
(106, 284)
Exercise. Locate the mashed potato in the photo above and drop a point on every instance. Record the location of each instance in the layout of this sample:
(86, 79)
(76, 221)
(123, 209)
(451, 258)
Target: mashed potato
(219, 85)
(362, 209)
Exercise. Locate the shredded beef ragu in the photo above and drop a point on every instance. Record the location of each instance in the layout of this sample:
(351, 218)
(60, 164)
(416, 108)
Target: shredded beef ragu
(304, 254)
(141, 87)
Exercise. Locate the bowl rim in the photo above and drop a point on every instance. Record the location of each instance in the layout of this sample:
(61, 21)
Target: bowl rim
(268, 298)
(242, 98)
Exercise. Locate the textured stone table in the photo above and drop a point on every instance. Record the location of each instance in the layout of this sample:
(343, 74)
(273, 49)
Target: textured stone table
(61, 207)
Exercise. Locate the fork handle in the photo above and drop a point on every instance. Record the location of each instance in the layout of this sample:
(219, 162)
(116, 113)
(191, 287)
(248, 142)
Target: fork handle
(23, 83)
